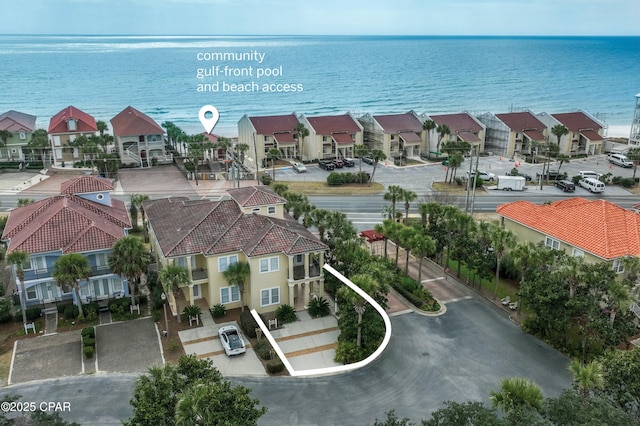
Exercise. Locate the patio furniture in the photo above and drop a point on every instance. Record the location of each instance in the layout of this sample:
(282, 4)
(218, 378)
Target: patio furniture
(505, 300)
(513, 306)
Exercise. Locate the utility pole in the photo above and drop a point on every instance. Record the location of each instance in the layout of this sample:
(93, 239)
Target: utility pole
(475, 177)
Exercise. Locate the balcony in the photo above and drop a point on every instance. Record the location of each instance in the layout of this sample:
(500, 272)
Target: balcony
(298, 271)
(199, 274)
(37, 274)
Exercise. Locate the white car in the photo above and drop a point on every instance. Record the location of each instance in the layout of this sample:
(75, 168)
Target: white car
(231, 340)
(589, 174)
(484, 175)
(299, 167)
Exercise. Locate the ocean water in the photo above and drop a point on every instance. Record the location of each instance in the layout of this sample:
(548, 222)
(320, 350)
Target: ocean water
(102, 75)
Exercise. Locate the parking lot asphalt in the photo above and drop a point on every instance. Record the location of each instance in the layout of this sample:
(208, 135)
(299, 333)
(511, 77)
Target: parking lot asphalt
(123, 347)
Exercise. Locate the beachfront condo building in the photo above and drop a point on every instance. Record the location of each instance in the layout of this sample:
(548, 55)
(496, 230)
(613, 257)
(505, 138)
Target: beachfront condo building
(513, 134)
(331, 136)
(397, 135)
(585, 134)
(264, 133)
(461, 127)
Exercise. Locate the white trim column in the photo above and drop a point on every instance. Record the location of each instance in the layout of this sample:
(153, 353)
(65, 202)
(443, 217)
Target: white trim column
(291, 294)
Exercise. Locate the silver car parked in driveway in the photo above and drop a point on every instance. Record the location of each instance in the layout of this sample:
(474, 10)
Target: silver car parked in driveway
(231, 340)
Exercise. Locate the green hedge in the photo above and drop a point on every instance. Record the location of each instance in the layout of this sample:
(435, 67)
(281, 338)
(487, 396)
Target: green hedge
(335, 178)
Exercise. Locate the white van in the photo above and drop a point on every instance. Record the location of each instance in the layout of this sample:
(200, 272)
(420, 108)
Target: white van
(589, 174)
(620, 160)
(591, 184)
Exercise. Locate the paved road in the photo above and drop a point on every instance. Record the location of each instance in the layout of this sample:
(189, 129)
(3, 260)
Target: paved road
(460, 356)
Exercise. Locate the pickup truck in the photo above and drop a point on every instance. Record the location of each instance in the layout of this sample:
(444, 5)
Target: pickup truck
(552, 175)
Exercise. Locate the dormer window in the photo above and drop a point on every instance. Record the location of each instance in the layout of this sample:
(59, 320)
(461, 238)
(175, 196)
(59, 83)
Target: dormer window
(271, 210)
(72, 125)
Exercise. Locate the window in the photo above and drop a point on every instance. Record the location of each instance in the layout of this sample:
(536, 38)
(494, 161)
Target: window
(577, 252)
(324, 139)
(270, 264)
(269, 296)
(57, 141)
(298, 259)
(224, 262)
(618, 266)
(23, 136)
(266, 138)
(255, 210)
(39, 264)
(229, 294)
(271, 210)
(117, 286)
(552, 243)
(72, 124)
(32, 294)
(102, 261)
(393, 137)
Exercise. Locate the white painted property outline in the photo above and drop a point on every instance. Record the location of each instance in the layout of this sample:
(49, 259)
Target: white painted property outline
(340, 368)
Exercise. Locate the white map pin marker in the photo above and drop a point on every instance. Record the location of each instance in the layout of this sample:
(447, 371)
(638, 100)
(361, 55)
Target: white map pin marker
(208, 116)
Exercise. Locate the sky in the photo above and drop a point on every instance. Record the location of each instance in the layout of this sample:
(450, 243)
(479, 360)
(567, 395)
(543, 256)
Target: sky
(321, 17)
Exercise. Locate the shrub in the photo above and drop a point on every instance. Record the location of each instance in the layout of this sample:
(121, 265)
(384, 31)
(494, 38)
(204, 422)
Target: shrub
(173, 346)
(627, 182)
(191, 311)
(263, 349)
(274, 366)
(266, 179)
(459, 180)
(286, 313)
(71, 311)
(88, 341)
(33, 313)
(335, 178)
(155, 315)
(61, 308)
(248, 324)
(90, 307)
(6, 310)
(88, 332)
(88, 351)
(318, 307)
(141, 299)
(348, 352)
(218, 311)
(616, 180)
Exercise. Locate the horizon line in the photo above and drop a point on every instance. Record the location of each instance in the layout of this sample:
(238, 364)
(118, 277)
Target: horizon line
(313, 35)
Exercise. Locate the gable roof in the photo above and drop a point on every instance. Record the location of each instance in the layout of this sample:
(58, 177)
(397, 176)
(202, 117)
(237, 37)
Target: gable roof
(598, 227)
(131, 122)
(252, 196)
(217, 227)
(461, 124)
(399, 123)
(65, 223)
(268, 125)
(577, 121)
(86, 123)
(85, 185)
(16, 122)
(331, 124)
(521, 121)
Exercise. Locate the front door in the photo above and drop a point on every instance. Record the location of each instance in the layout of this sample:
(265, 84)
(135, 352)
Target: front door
(196, 291)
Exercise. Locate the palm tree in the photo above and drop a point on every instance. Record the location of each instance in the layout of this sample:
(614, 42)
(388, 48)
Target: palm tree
(4, 138)
(377, 156)
(318, 218)
(360, 151)
(385, 230)
(517, 393)
(237, 274)
(137, 200)
(18, 259)
(129, 258)
(242, 148)
(442, 130)
(502, 239)
(586, 377)
(102, 127)
(39, 141)
(273, 154)
(405, 239)
(428, 126)
(393, 194)
(633, 154)
(369, 286)
(407, 196)
(70, 269)
(422, 246)
(301, 132)
(173, 278)
(559, 130)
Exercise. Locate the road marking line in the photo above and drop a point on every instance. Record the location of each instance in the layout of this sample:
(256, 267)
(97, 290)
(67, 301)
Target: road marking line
(432, 279)
(457, 299)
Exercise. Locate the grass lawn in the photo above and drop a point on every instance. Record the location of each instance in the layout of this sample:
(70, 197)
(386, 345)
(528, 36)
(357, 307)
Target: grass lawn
(453, 188)
(321, 188)
(505, 287)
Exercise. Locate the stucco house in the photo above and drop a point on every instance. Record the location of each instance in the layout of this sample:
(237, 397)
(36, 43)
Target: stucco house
(139, 139)
(82, 219)
(463, 127)
(513, 133)
(251, 225)
(597, 230)
(394, 134)
(64, 128)
(18, 127)
(266, 132)
(331, 136)
(586, 133)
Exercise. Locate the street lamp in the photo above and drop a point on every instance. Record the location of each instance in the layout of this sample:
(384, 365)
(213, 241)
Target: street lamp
(166, 319)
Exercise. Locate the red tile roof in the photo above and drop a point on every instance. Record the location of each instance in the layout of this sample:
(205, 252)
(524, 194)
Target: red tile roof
(86, 184)
(521, 121)
(534, 135)
(184, 227)
(17, 122)
(330, 124)
(410, 137)
(252, 196)
(65, 223)
(284, 138)
(457, 123)
(592, 135)
(577, 121)
(398, 123)
(269, 125)
(86, 123)
(598, 227)
(342, 138)
(131, 122)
